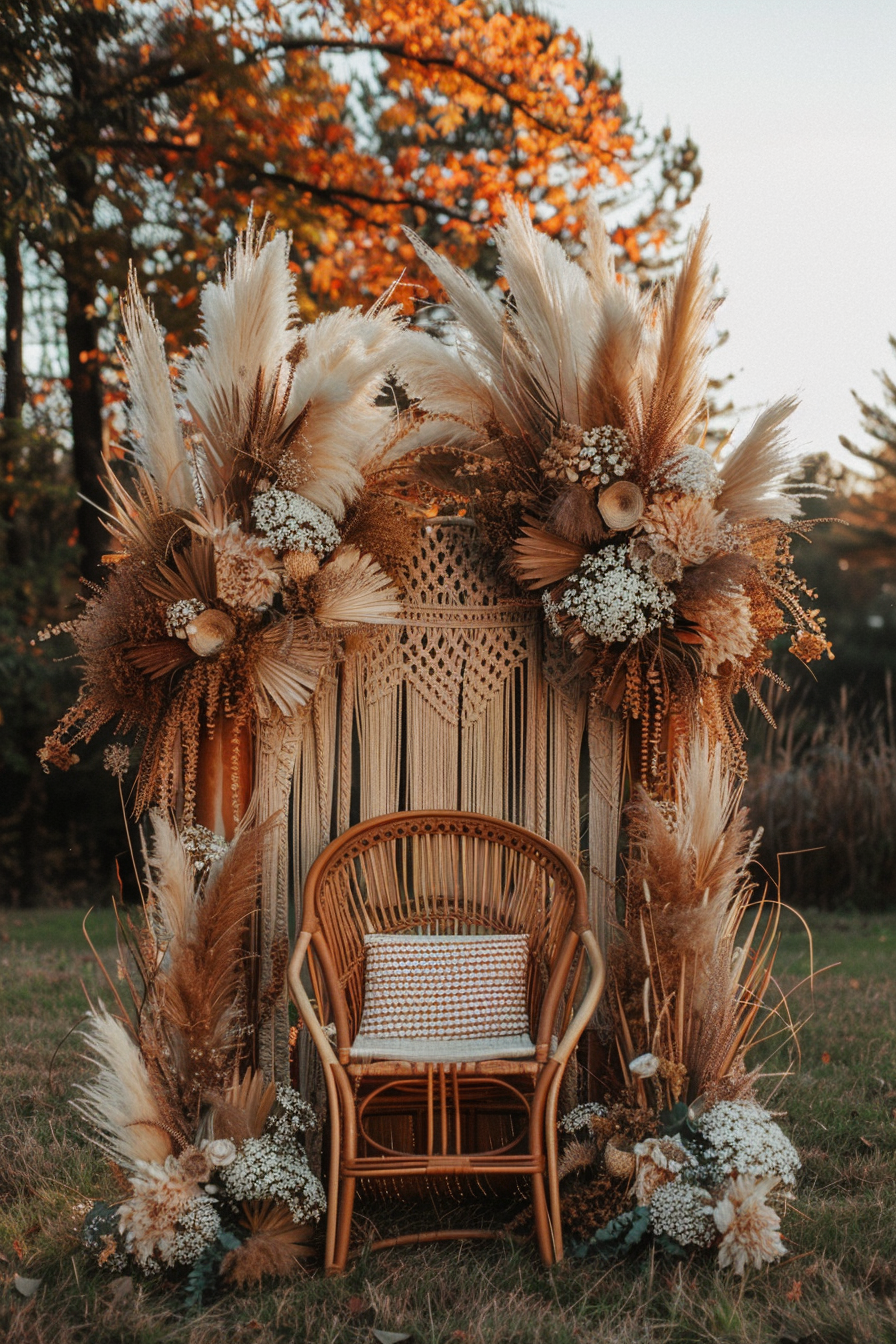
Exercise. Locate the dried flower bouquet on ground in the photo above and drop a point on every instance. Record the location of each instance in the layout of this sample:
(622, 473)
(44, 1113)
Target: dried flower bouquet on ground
(215, 1177)
(681, 1150)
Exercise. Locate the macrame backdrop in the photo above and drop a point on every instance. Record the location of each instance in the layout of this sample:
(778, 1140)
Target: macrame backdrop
(464, 704)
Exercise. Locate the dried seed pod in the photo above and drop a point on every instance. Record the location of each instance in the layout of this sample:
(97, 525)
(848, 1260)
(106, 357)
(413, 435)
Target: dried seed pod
(210, 632)
(621, 505)
(300, 565)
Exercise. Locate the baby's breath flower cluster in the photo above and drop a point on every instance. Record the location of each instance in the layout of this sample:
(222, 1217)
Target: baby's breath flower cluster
(616, 598)
(203, 846)
(591, 458)
(176, 1210)
(265, 1168)
(197, 1226)
(179, 614)
(744, 1140)
(580, 1117)
(683, 1212)
(290, 522)
(117, 759)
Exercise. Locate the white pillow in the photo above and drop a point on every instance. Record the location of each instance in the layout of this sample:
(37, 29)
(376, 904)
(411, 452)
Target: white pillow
(456, 987)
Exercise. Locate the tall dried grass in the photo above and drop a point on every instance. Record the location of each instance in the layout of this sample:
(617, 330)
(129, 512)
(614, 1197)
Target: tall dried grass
(824, 791)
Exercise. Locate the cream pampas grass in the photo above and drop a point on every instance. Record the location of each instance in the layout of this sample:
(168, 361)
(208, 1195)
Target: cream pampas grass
(335, 396)
(756, 475)
(248, 318)
(155, 428)
(170, 883)
(120, 1102)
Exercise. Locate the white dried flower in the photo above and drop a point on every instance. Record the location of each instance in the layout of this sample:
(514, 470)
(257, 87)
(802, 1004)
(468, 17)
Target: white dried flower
(220, 1152)
(743, 1140)
(580, 1117)
(550, 610)
(692, 471)
(266, 1168)
(149, 1218)
(290, 522)
(645, 1066)
(297, 1114)
(656, 1162)
(197, 1226)
(615, 598)
(179, 615)
(681, 1211)
(749, 1228)
(203, 846)
(592, 457)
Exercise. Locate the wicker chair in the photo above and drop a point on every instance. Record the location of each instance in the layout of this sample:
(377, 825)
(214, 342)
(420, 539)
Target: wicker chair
(440, 872)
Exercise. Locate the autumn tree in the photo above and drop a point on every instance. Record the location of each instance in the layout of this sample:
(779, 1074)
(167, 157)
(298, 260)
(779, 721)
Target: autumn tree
(145, 130)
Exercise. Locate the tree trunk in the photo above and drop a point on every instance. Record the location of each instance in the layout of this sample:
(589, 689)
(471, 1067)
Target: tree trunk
(14, 390)
(14, 396)
(86, 394)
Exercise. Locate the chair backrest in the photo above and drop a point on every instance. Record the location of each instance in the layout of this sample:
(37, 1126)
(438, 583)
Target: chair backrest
(438, 872)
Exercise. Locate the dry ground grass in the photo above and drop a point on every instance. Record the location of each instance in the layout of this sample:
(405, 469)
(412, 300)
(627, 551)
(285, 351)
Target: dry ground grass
(837, 1286)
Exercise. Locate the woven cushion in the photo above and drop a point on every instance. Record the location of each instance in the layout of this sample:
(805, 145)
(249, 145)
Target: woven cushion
(457, 988)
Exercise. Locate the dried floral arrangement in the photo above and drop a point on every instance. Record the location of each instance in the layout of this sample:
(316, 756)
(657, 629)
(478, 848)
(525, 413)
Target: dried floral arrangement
(682, 1152)
(568, 419)
(245, 548)
(215, 1178)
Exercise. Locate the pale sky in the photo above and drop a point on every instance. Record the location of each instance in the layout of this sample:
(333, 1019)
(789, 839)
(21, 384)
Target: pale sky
(793, 107)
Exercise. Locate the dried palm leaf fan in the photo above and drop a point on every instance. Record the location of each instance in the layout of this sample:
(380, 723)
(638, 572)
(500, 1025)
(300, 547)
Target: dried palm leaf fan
(567, 418)
(231, 586)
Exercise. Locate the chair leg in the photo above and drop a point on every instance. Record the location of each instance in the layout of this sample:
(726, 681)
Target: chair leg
(553, 1181)
(542, 1221)
(343, 1223)
(333, 1173)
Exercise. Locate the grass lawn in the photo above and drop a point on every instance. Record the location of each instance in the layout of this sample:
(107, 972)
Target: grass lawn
(838, 1284)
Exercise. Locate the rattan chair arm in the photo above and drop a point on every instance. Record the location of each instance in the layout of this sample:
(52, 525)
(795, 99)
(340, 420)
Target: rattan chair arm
(588, 1006)
(554, 992)
(303, 1003)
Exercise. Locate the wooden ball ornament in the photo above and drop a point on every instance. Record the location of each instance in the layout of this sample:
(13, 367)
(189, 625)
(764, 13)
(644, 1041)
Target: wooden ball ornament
(621, 505)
